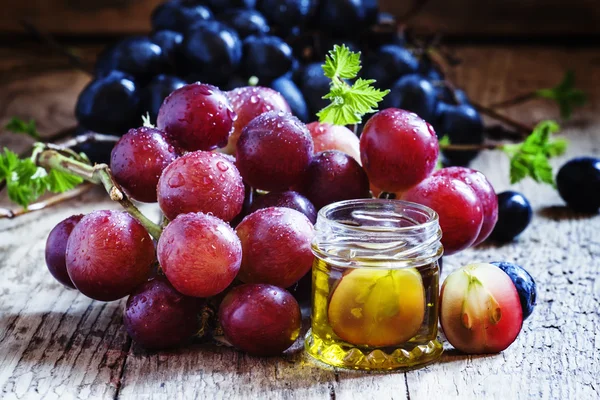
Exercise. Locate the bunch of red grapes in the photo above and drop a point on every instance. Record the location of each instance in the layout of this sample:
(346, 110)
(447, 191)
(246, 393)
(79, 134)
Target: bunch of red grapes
(225, 237)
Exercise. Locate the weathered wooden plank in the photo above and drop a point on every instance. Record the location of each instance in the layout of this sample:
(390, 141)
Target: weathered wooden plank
(56, 344)
(459, 17)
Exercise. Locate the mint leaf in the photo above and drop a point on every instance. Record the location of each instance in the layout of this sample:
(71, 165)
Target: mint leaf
(531, 158)
(26, 182)
(17, 125)
(341, 63)
(565, 94)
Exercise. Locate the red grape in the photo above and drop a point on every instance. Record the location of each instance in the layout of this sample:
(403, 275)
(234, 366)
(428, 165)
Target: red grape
(457, 205)
(334, 137)
(157, 316)
(484, 191)
(276, 244)
(260, 319)
(201, 181)
(334, 176)
(249, 102)
(109, 254)
(273, 151)
(398, 149)
(199, 254)
(56, 247)
(289, 199)
(138, 159)
(197, 116)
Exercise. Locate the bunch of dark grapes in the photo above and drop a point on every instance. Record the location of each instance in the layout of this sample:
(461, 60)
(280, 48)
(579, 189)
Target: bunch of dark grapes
(282, 43)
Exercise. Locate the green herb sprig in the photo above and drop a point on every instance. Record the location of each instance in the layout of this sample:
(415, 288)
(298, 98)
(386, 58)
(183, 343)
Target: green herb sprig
(349, 102)
(26, 181)
(17, 125)
(565, 94)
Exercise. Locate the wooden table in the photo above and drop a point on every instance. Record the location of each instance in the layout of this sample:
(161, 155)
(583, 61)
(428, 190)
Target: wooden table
(57, 344)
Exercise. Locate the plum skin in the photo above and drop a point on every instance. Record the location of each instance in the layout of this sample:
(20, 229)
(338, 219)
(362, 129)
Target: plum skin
(260, 319)
(480, 310)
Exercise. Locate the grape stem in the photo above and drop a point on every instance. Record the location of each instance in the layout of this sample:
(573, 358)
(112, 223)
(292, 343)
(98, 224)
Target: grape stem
(50, 201)
(514, 101)
(97, 174)
(471, 147)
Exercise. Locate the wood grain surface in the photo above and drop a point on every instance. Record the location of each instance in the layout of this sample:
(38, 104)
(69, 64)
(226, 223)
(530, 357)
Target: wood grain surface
(57, 344)
(508, 18)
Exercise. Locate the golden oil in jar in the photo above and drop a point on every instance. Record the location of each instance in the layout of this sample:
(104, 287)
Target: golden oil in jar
(375, 286)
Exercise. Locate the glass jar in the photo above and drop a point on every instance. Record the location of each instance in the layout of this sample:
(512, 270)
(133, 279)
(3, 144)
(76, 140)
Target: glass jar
(375, 285)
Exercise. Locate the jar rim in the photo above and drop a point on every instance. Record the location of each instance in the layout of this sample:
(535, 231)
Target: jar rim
(432, 216)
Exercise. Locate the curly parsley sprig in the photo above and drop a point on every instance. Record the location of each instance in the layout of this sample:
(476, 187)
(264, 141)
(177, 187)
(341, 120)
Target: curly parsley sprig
(349, 102)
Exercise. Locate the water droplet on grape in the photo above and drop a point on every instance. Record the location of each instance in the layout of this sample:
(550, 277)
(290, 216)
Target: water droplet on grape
(176, 181)
(222, 166)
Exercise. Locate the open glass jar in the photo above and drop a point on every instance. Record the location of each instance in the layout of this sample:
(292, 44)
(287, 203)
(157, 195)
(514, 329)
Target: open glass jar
(375, 285)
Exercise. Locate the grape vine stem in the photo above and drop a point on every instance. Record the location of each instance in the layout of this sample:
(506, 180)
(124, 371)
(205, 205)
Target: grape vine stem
(471, 147)
(98, 174)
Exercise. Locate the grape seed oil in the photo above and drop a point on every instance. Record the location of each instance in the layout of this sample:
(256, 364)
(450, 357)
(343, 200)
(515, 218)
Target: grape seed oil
(375, 291)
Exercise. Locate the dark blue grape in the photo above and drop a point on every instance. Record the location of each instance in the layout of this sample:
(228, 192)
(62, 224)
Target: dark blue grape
(266, 57)
(524, 284)
(292, 94)
(347, 17)
(389, 63)
(384, 32)
(137, 55)
(578, 183)
(430, 70)
(414, 93)
(179, 15)
(514, 214)
(448, 95)
(287, 13)
(170, 43)
(463, 125)
(109, 104)
(212, 52)
(153, 94)
(235, 81)
(97, 151)
(245, 22)
(224, 5)
(314, 86)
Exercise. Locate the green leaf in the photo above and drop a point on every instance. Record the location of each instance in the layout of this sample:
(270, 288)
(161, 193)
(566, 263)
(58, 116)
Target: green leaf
(349, 102)
(26, 182)
(17, 125)
(444, 141)
(531, 158)
(565, 94)
(341, 63)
